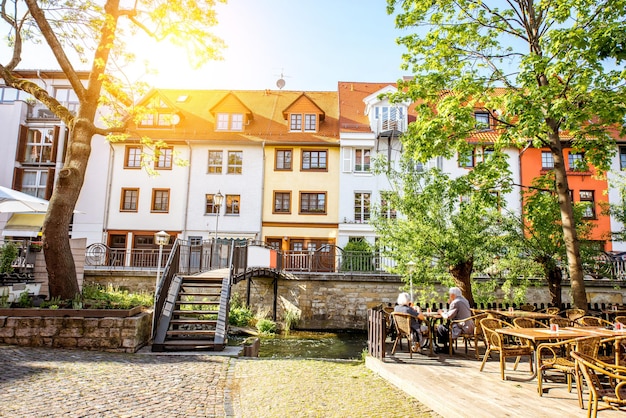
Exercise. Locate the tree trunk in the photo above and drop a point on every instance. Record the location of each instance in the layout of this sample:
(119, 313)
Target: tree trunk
(572, 245)
(554, 275)
(62, 278)
(461, 273)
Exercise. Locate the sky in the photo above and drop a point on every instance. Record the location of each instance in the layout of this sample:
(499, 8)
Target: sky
(313, 44)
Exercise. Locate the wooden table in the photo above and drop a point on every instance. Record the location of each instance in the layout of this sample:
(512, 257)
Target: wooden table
(539, 316)
(608, 313)
(539, 335)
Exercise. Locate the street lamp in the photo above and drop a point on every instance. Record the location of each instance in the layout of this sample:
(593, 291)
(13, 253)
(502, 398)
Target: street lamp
(217, 204)
(160, 238)
(410, 267)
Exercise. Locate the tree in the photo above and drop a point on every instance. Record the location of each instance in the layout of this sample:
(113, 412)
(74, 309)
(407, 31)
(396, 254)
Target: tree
(540, 235)
(445, 227)
(80, 32)
(555, 69)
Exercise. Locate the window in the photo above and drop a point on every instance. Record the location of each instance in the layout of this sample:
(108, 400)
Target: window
(577, 162)
(362, 160)
(232, 204)
(133, 157)
(313, 160)
(314, 203)
(8, 94)
(283, 159)
(235, 162)
(34, 182)
(390, 117)
(466, 159)
(215, 162)
(210, 207)
(160, 200)
(622, 158)
(310, 123)
(387, 211)
(547, 160)
(67, 97)
(228, 121)
(39, 145)
(586, 198)
(482, 121)
(129, 201)
(163, 159)
(282, 202)
(361, 207)
(158, 114)
(295, 122)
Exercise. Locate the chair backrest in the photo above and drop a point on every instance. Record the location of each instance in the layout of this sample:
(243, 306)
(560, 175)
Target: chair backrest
(561, 322)
(528, 323)
(590, 321)
(552, 311)
(592, 368)
(573, 314)
(588, 346)
(478, 329)
(403, 322)
(489, 327)
(527, 307)
(621, 319)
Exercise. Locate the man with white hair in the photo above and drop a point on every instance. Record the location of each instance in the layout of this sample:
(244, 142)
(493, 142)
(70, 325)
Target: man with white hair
(459, 309)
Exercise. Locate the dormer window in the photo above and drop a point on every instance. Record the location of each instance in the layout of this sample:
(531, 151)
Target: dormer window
(310, 122)
(482, 121)
(390, 117)
(158, 115)
(229, 122)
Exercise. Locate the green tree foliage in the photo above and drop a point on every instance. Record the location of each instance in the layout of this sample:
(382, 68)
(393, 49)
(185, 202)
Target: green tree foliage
(556, 63)
(357, 255)
(448, 227)
(83, 33)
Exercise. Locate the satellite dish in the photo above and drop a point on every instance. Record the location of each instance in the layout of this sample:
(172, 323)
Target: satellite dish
(280, 83)
(175, 119)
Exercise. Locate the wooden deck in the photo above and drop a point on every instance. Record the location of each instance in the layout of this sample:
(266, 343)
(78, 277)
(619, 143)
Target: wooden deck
(454, 386)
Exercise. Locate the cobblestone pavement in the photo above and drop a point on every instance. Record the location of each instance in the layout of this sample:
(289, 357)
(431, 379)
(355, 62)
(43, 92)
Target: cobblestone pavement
(44, 382)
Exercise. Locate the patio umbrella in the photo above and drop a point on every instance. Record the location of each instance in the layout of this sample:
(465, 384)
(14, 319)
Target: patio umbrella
(12, 201)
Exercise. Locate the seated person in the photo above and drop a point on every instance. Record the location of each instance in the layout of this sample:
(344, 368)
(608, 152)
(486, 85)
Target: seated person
(459, 309)
(417, 327)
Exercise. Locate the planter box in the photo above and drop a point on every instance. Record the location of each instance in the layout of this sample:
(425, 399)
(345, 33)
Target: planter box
(81, 313)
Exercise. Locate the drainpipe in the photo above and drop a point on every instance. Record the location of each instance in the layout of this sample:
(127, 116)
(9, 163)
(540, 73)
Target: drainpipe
(262, 192)
(521, 195)
(107, 196)
(186, 212)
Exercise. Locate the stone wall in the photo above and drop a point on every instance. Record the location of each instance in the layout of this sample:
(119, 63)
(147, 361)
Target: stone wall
(101, 334)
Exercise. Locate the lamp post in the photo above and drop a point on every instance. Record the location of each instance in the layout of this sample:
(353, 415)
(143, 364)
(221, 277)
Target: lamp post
(410, 266)
(217, 204)
(160, 238)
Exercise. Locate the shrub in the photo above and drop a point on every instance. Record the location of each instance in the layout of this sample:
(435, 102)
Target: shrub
(266, 326)
(357, 256)
(239, 315)
(292, 317)
(8, 253)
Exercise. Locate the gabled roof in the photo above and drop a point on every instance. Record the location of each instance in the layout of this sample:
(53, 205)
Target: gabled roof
(230, 103)
(303, 104)
(268, 124)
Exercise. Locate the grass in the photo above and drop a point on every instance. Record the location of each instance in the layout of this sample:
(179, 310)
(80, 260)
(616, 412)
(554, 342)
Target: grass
(317, 388)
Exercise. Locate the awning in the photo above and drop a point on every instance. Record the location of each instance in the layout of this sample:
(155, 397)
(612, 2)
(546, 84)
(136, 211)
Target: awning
(24, 225)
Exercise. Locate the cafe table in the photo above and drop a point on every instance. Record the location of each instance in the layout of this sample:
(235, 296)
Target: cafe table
(538, 335)
(511, 314)
(432, 318)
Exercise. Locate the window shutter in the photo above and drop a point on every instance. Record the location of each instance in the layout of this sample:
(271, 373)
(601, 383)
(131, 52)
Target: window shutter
(21, 145)
(50, 183)
(55, 144)
(17, 178)
(347, 159)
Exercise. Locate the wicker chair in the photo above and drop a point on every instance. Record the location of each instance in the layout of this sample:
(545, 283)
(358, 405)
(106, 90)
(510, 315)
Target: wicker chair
(527, 307)
(402, 322)
(592, 321)
(553, 310)
(496, 342)
(475, 336)
(573, 314)
(528, 323)
(592, 369)
(556, 356)
(391, 328)
(621, 319)
(561, 322)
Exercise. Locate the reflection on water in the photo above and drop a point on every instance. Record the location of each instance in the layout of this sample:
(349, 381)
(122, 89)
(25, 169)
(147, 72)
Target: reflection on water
(306, 344)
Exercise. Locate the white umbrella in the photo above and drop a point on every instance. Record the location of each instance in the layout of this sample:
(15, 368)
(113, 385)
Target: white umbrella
(12, 201)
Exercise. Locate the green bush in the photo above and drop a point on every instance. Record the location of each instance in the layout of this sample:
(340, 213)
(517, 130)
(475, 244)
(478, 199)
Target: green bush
(266, 326)
(357, 256)
(8, 253)
(239, 315)
(110, 297)
(292, 317)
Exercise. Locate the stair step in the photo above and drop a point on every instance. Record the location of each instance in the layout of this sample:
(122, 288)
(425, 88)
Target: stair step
(197, 302)
(193, 321)
(194, 312)
(188, 345)
(197, 332)
(200, 294)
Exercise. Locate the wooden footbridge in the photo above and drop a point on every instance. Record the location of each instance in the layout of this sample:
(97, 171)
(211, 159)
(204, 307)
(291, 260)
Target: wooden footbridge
(192, 297)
